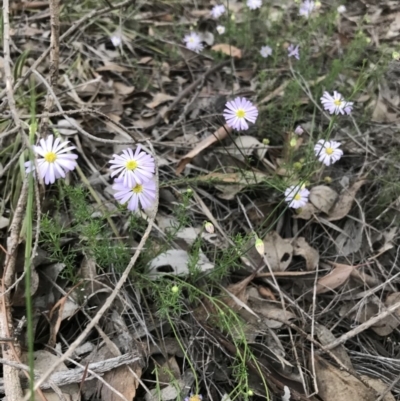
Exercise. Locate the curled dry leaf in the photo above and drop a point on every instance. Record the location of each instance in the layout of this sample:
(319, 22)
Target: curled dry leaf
(343, 205)
(335, 278)
(338, 385)
(391, 322)
(219, 135)
(310, 254)
(306, 212)
(278, 252)
(245, 145)
(158, 99)
(323, 198)
(227, 49)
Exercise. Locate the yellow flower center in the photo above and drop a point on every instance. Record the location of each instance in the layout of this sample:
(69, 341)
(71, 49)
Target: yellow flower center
(50, 157)
(195, 398)
(337, 102)
(137, 189)
(297, 197)
(329, 151)
(240, 113)
(131, 164)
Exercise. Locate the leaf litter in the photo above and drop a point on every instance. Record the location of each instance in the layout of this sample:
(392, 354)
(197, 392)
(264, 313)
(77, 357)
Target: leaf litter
(171, 100)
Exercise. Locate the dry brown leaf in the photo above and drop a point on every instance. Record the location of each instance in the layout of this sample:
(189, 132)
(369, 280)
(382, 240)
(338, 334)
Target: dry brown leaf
(123, 89)
(228, 50)
(122, 380)
(218, 135)
(278, 252)
(325, 337)
(306, 212)
(350, 239)
(335, 278)
(158, 99)
(323, 198)
(391, 322)
(113, 67)
(335, 384)
(310, 254)
(343, 205)
(239, 291)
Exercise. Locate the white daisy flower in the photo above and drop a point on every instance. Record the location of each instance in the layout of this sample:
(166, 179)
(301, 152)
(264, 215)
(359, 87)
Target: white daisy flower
(336, 104)
(193, 42)
(116, 39)
(133, 168)
(217, 11)
(299, 130)
(265, 51)
(328, 152)
(238, 112)
(220, 29)
(254, 4)
(306, 8)
(296, 196)
(139, 194)
(341, 9)
(54, 162)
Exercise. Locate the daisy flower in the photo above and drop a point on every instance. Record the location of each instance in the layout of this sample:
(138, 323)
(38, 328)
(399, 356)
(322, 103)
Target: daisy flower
(293, 51)
(328, 152)
(265, 51)
(238, 112)
(254, 4)
(341, 9)
(139, 194)
(116, 39)
(306, 8)
(296, 196)
(194, 397)
(193, 42)
(54, 162)
(133, 168)
(217, 11)
(336, 104)
(220, 29)
(299, 130)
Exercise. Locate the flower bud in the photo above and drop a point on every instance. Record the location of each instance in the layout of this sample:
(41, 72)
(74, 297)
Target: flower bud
(209, 227)
(259, 246)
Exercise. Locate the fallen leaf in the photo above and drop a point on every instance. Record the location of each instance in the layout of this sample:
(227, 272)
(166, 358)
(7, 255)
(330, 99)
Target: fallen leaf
(338, 385)
(306, 212)
(278, 252)
(391, 322)
(123, 89)
(228, 49)
(122, 380)
(175, 261)
(343, 205)
(323, 198)
(4, 221)
(325, 337)
(335, 278)
(218, 135)
(310, 254)
(350, 239)
(245, 145)
(158, 99)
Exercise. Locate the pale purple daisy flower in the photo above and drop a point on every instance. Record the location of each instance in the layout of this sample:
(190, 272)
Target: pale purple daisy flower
(194, 397)
(238, 112)
(254, 4)
(336, 104)
(217, 11)
(220, 29)
(137, 195)
(328, 152)
(299, 130)
(293, 51)
(306, 8)
(193, 42)
(54, 162)
(296, 196)
(265, 51)
(133, 168)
